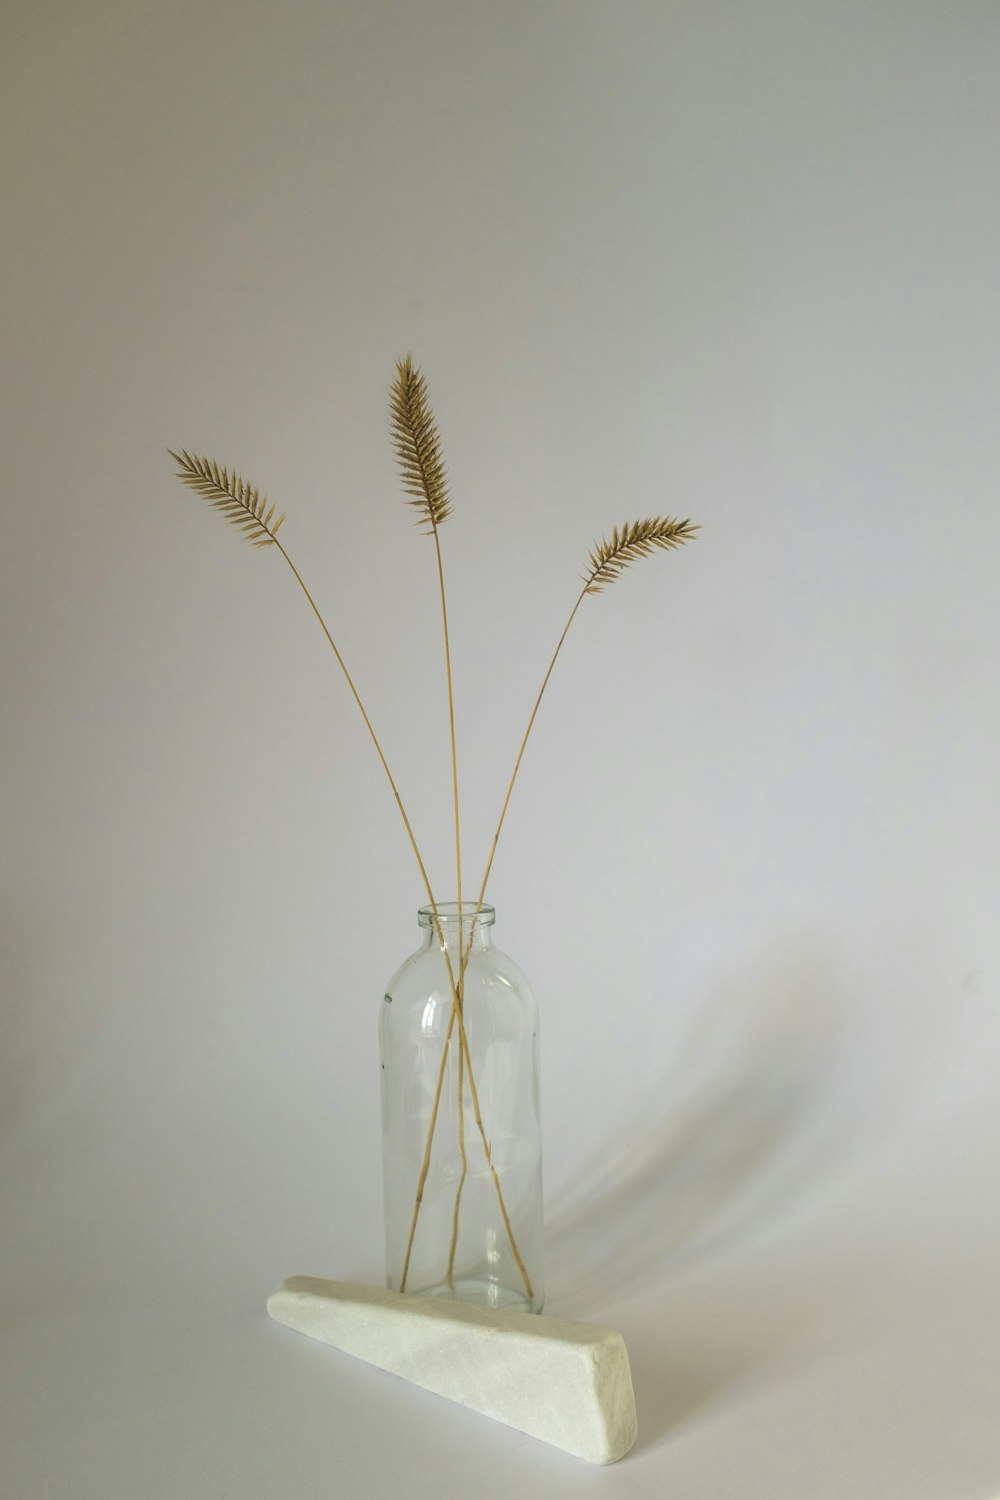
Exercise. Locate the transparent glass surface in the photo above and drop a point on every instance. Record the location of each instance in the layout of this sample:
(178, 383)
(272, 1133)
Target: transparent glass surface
(461, 1139)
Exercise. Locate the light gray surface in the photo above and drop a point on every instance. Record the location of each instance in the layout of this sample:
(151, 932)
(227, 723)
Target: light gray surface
(737, 261)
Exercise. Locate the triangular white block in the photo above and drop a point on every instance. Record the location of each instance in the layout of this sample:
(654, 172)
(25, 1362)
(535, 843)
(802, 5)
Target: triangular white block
(566, 1383)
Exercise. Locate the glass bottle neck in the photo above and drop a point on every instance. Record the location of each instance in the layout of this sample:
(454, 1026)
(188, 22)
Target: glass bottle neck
(453, 927)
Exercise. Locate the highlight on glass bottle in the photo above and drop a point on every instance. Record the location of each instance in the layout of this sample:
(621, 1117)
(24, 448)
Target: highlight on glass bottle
(461, 1138)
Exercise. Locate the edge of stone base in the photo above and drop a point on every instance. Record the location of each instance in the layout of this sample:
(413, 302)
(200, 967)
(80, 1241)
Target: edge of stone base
(564, 1382)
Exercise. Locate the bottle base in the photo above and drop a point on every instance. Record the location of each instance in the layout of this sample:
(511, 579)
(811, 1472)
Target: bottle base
(480, 1293)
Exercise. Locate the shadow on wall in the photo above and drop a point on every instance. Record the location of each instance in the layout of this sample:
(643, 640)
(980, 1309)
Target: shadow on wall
(749, 1120)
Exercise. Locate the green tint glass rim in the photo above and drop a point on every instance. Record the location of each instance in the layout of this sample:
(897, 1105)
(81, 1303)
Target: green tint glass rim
(451, 913)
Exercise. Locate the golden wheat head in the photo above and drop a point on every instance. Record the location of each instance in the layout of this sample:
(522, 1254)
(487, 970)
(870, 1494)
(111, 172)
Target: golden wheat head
(634, 540)
(418, 446)
(240, 502)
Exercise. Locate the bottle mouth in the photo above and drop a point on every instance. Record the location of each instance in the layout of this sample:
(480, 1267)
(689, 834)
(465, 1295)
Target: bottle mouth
(451, 913)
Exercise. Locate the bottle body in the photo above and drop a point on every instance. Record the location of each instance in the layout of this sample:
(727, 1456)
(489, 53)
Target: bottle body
(461, 1136)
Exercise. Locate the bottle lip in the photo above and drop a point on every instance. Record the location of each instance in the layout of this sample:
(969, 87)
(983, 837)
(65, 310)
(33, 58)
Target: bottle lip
(451, 912)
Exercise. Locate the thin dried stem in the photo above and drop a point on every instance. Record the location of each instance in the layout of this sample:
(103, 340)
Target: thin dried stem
(418, 449)
(520, 754)
(463, 1157)
(429, 1141)
(487, 1148)
(242, 504)
(451, 728)
(456, 1001)
(456, 1015)
(607, 562)
(425, 480)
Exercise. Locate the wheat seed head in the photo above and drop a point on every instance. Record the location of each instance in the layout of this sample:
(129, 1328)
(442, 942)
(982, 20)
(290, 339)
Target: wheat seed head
(418, 446)
(627, 543)
(240, 502)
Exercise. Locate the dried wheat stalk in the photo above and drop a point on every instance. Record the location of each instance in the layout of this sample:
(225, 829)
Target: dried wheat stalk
(425, 480)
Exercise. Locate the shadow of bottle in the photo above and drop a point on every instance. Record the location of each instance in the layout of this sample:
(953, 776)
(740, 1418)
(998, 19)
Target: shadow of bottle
(746, 1125)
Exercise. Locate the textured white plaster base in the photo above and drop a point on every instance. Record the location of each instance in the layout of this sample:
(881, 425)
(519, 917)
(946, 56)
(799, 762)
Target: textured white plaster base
(564, 1382)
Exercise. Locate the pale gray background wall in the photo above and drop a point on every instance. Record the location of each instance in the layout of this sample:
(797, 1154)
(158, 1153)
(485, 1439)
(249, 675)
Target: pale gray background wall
(736, 261)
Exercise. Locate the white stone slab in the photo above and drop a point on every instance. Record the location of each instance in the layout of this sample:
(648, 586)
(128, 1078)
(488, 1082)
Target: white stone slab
(564, 1382)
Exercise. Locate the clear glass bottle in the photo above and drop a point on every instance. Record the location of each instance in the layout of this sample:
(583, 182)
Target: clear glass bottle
(461, 1137)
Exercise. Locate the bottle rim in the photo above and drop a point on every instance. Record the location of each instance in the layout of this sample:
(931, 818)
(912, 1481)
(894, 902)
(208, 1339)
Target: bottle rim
(452, 913)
